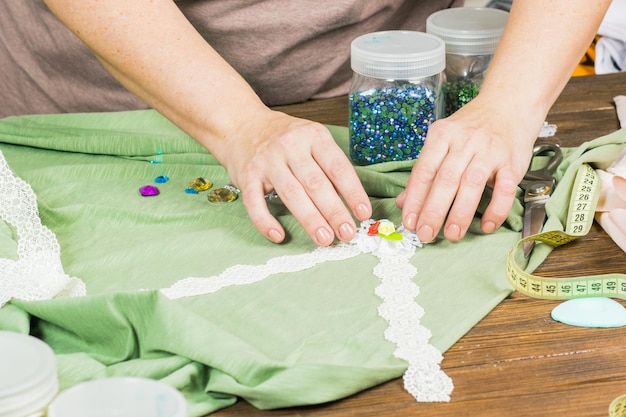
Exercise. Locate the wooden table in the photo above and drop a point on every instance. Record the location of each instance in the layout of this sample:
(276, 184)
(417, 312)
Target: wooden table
(517, 361)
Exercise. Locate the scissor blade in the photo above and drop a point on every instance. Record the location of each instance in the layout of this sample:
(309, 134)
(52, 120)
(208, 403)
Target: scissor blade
(534, 217)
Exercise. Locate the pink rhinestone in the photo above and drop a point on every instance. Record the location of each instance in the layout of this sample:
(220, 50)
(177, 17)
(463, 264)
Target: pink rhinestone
(149, 190)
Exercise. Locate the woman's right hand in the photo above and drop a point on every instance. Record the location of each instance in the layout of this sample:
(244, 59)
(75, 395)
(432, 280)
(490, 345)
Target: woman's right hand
(300, 161)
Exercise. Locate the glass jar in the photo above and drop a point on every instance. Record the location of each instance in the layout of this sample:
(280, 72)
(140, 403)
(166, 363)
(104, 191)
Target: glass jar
(395, 94)
(28, 375)
(471, 35)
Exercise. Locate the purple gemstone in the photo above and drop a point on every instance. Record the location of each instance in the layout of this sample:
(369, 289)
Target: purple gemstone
(148, 190)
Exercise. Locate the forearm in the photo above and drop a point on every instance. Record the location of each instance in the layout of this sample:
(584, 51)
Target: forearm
(151, 48)
(542, 44)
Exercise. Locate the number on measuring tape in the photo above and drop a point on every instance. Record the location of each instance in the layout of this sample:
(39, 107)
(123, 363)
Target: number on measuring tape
(583, 201)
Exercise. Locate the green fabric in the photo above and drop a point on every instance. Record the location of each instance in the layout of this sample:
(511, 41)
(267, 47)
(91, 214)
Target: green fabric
(291, 339)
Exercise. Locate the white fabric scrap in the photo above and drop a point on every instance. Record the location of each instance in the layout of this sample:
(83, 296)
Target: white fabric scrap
(611, 208)
(547, 130)
(611, 47)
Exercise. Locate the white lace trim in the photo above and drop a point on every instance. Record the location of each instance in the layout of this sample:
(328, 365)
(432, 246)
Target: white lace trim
(424, 378)
(248, 274)
(37, 274)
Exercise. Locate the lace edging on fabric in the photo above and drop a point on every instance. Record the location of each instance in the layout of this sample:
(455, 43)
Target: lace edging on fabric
(37, 273)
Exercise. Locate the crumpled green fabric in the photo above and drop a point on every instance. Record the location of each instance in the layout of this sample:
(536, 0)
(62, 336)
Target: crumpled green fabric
(291, 339)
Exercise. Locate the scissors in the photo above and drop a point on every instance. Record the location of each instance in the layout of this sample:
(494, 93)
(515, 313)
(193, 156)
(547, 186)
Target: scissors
(538, 185)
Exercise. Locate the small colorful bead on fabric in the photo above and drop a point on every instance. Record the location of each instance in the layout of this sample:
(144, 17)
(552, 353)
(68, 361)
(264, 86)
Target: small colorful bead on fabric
(200, 184)
(226, 194)
(149, 191)
(158, 158)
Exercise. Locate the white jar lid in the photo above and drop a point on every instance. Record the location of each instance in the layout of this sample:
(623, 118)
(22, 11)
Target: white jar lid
(468, 30)
(398, 54)
(119, 397)
(28, 375)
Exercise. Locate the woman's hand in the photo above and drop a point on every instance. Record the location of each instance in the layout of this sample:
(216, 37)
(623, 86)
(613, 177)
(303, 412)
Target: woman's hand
(300, 161)
(463, 154)
(489, 141)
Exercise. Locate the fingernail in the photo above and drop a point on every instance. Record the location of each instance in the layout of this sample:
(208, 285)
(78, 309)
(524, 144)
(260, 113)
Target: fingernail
(453, 232)
(425, 233)
(275, 236)
(489, 227)
(411, 221)
(363, 212)
(324, 237)
(346, 232)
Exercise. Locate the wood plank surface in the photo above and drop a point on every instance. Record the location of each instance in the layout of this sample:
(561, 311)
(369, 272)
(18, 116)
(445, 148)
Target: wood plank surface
(517, 361)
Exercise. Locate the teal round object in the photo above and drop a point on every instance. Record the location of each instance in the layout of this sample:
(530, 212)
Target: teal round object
(590, 312)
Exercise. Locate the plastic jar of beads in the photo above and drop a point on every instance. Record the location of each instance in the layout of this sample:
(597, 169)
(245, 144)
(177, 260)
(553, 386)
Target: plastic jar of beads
(395, 94)
(471, 35)
(28, 375)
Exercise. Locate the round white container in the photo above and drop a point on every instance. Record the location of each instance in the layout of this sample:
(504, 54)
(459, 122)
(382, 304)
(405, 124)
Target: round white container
(471, 35)
(28, 375)
(119, 397)
(395, 94)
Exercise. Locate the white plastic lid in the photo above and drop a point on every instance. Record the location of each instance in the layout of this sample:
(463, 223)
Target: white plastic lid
(28, 375)
(468, 30)
(398, 54)
(119, 397)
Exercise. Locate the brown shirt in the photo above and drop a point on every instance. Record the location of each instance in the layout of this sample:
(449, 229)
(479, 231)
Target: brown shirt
(288, 50)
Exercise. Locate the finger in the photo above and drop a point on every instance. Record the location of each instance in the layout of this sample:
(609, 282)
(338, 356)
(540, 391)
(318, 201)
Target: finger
(344, 178)
(297, 196)
(504, 193)
(441, 196)
(470, 191)
(321, 191)
(423, 174)
(263, 220)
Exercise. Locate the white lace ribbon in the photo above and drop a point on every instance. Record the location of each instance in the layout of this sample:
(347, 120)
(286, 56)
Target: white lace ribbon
(37, 273)
(424, 378)
(248, 274)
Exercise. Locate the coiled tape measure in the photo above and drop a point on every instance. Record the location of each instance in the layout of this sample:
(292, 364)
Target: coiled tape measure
(582, 206)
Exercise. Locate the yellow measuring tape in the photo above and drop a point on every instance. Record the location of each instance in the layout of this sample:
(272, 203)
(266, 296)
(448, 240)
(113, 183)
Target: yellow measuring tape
(618, 407)
(582, 206)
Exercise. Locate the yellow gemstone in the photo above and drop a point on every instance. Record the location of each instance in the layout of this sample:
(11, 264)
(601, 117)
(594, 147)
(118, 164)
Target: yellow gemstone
(222, 195)
(200, 184)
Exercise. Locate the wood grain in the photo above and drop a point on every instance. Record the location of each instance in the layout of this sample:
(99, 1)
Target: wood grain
(517, 361)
